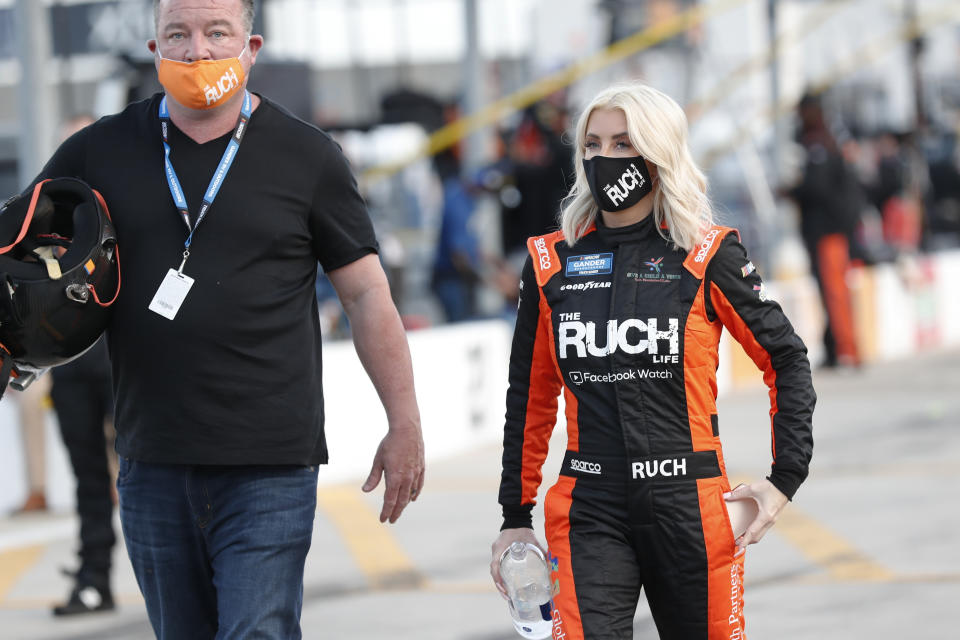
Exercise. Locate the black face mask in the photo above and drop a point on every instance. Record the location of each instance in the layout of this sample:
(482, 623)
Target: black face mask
(617, 183)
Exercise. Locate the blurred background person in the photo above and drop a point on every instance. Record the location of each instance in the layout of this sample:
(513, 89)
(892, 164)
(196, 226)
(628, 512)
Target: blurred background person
(32, 404)
(457, 266)
(539, 169)
(829, 198)
(897, 191)
(82, 397)
(83, 400)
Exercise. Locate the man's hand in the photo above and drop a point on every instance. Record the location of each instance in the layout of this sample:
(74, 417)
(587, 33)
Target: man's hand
(381, 345)
(501, 544)
(399, 459)
(771, 502)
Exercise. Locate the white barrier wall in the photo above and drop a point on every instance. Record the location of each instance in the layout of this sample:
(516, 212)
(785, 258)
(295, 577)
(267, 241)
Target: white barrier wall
(461, 376)
(911, 306)
(461, 373)
(895, 313)
(61, 487)
(948, 297)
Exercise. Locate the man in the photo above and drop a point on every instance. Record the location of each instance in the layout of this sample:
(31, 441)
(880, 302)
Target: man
(829, 198)
(83, 400)
(457, 264)
(223, 203)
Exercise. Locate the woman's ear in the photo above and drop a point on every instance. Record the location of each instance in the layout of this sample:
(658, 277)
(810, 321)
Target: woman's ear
(652, 168)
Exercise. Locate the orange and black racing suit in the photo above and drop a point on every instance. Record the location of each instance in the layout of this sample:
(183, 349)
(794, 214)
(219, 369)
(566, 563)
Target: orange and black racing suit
(628, 328)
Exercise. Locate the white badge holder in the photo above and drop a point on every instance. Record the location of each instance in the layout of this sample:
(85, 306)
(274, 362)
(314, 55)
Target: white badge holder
(171, 294)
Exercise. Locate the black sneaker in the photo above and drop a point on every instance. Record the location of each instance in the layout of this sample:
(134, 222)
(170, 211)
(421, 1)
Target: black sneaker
(86, 598)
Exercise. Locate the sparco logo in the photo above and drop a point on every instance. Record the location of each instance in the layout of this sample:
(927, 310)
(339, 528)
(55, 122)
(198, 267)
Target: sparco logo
(582, 336)
(226, 82)
(543, 254)
(583, 286)
(705, 245)
(585, 467)
(654, 468)
(630, 180)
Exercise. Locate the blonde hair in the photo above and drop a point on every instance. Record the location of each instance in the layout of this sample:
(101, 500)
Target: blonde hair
(657, 128)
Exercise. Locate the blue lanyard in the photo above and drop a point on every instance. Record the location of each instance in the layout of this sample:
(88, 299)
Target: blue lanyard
(218, 177)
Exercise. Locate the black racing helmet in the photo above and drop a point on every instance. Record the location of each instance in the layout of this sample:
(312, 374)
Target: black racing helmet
(59, 275)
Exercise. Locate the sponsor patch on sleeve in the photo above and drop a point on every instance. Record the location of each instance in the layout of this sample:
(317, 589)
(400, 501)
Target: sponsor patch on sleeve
(590, 265)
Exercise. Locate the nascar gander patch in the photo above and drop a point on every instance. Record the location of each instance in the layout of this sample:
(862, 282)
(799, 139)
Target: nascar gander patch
(590, 265)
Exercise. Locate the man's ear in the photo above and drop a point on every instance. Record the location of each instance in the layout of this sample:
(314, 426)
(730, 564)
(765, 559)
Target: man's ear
(152, 46)
(254, 45)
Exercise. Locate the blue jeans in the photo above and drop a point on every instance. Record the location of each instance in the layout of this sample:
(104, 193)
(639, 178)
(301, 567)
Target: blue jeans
(218, 551)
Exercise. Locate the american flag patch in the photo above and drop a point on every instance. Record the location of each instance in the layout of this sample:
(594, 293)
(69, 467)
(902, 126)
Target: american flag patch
(89, 266)
(747, 269)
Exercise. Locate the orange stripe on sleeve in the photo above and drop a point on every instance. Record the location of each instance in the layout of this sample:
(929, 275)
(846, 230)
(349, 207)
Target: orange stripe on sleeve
(701, 358)
(742, 334)
(541, 415)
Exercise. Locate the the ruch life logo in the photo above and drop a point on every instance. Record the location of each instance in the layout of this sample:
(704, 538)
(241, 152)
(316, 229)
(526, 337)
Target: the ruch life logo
(628, 181)
(227, 81)
(632, 335)
(647, 469)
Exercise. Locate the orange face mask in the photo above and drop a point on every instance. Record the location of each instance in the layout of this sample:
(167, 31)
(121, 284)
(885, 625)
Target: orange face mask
(201, 84)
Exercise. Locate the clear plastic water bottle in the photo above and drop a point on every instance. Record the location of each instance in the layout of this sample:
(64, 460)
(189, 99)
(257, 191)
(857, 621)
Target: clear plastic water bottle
(525, 574)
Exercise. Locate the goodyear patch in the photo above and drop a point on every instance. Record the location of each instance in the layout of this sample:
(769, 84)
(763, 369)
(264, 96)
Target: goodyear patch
(589, 265)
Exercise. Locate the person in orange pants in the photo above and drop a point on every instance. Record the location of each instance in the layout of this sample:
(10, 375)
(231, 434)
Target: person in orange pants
(829, 198)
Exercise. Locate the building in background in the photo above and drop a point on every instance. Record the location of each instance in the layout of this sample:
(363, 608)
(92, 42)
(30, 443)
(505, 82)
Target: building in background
(344, 64)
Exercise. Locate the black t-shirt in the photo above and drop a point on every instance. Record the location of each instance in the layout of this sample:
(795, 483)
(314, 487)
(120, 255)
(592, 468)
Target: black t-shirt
(235, 378)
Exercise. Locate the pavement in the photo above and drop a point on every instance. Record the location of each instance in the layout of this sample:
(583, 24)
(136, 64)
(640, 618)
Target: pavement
(867, 550)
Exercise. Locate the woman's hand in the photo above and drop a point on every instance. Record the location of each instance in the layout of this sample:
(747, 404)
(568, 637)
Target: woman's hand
(503, 541)
(771, 502)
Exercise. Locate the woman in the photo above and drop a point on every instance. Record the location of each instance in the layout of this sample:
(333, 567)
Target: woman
(623, 310)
